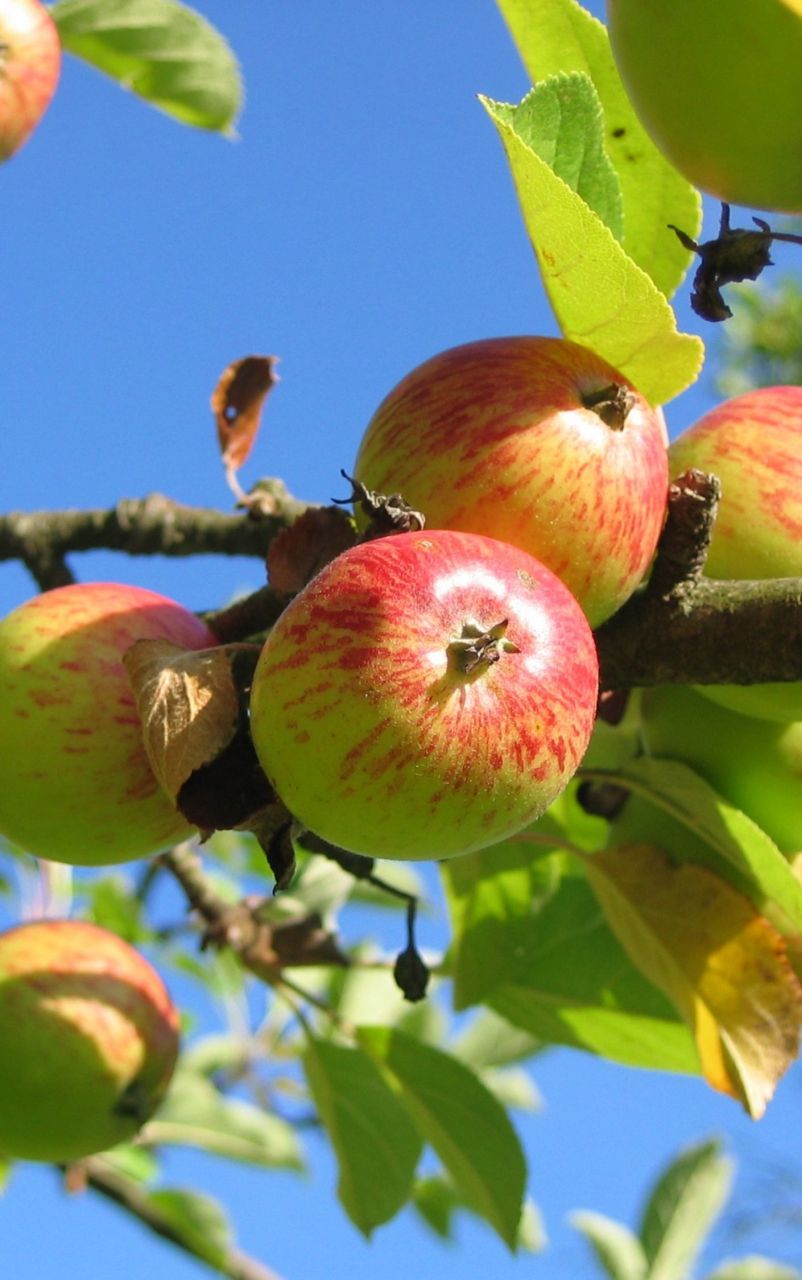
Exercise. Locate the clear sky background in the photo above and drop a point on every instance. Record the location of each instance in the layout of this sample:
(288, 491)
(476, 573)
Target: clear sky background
(364, 221)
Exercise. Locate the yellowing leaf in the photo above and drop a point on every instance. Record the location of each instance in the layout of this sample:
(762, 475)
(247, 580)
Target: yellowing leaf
(600, 297)
(722, 964)
(188, 705)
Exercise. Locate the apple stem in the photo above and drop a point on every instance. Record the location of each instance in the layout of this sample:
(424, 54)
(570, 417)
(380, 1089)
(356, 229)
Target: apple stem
(477, 648)
(612, 403)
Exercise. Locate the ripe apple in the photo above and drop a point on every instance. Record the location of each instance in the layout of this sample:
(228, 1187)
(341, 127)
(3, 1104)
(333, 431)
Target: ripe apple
(716, 84)
(75, 782)
(89, 1040)
(30, 61)
(755, 764)
(534, 441)
(753, 443)
(425, 695)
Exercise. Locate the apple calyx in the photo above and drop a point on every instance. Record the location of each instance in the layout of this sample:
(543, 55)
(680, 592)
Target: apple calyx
(736, 254)
(387, 513)
(612, 403)
(476, 648)
(135, 1102)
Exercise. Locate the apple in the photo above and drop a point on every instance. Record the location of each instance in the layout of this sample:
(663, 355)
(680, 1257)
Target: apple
(30, 62)
(716, 84)
(89, 1040)
(754, 764)
(75, 782)
(753, 443)
(534, 441)
(426, 695)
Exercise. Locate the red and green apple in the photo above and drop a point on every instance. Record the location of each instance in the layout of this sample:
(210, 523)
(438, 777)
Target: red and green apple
(753, 443)
(426, 695)
(534, 441)
(89, 1036)
(716, 84)
(30, 62)
(75, 782)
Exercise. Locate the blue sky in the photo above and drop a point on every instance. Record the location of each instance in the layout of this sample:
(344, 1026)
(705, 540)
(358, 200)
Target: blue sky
(364, 221)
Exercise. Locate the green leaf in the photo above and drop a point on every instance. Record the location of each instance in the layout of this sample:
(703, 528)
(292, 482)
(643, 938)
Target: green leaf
(438, 1203)
(490, 1041)
(561, 35)
(492, 898)
(217, 1052)
(562, 121)
(600, 296)
(376, 1144)
(5, 1173)
(616, 1248)
(137, 1164)
(530, 939)
(199, 1222)
(514, 1088)
(196, 1114)
(531, 1232)
(368, 995)
(113, 905)
(754, 1267)
(726, 840)
(163, 51)
(682, 1208)
(467, 1127)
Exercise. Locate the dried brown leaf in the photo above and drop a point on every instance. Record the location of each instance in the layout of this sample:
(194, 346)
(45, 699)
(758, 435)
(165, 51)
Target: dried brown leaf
(188, 704)
(237, 403)
(300, 551)
(231, 792)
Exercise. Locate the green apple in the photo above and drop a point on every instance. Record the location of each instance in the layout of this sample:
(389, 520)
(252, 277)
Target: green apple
(717, 85)
(754, 764)
(534, 441)
(426, 695)
(75, 782)
(753, 443)
(89, 1040)
(30, 63)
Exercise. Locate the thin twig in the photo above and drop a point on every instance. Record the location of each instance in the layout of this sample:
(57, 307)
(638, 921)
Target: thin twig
(129, 1195)
(155, 525)
(264, 949)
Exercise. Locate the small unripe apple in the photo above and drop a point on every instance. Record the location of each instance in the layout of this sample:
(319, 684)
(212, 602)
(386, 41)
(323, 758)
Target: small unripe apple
(717, 85)
(753, 443)
(88, 1040)
(30, 62)
(755, 764)
(425, 695)
(534, 441)
(75, 782)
